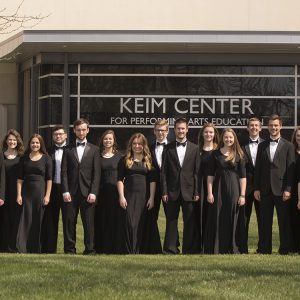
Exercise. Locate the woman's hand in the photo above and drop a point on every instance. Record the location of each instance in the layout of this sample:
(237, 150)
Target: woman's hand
(46, 200)
(19, 200)
(150, 203)
(123, 202)
(210, 198)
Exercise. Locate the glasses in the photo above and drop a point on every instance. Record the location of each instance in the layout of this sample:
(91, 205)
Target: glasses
(59, 133)
(160, 130)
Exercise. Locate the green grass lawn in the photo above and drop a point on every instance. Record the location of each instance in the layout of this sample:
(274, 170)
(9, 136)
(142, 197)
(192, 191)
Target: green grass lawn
(151, 277)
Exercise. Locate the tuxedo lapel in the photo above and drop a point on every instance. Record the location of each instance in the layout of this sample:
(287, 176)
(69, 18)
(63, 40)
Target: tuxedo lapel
(86, 151)
(268, 152)
(187, 151)
(75, 153)
(154, 159)
(174, 152)
(278, 149)
(248, 152)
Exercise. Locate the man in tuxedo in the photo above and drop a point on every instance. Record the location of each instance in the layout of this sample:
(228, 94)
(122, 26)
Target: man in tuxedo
(179, 184)
(250, 147)
(51, 214)
(151, 242)
(161, 130)
(80, 173)
(273, 179)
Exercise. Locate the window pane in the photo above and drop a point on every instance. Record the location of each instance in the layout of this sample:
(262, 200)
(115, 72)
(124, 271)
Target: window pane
(259, 86)
(50, 111)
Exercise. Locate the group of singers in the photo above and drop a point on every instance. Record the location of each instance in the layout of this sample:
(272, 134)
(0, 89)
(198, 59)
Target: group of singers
(119, 195)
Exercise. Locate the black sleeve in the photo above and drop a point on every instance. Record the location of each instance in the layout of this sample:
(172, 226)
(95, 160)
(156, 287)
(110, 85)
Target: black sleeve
(121, 169)
(21, 168)
(48, 173)
(242, 168)
(211, 166)
(152, 175)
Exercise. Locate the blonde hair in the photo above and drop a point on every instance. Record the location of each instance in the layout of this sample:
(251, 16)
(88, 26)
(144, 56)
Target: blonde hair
(162, 122)
(201, 138)
(147, 160)
(236, 148)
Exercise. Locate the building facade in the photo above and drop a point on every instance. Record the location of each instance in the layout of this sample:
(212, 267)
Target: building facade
(127, 79)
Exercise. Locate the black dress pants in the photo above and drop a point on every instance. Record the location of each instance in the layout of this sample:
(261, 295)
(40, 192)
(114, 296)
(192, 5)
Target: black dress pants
(267, 204)
(51, 219)
(70, 212)
(190, 241)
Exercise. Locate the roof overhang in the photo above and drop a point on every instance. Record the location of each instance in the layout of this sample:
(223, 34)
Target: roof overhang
(28, 43)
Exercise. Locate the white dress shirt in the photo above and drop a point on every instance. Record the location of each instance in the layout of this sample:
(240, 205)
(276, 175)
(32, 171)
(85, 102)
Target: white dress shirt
(58, 157)
(181, 152)
(158, 151)
(273, 147)
(253, 150)
(80, 149)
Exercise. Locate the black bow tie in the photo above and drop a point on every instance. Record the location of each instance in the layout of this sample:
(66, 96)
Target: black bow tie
(251, 141)
(160, 144)
(59, 147)
(274, 141)
(80, 144)
(180, 144)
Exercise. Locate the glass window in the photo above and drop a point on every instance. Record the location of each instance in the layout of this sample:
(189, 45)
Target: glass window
(50, 111)
(52, 68)
(246, 86)
(185, 69)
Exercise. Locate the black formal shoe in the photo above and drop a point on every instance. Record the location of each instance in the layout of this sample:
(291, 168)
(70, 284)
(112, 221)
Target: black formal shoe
(89, 252)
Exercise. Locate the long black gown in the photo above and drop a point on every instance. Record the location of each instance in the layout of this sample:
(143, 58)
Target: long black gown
(136, 191)
(222, 215)
(201, 212)
(10, 211)
(294, 211)
(108, 210)
(34, 175)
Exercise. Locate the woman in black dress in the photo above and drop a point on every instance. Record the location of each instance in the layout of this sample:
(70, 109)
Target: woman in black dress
(208, 141)
(107, 213)
(136, 188)
(294, 211)
(13, 149)
(226, 186)
(33, 193)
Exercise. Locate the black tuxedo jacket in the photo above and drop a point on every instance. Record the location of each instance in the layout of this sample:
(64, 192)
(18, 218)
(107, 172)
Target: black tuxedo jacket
(249, 166)
(276, 176)
(154, 162)
(176, 179)
(51, 152)
(158, 171)
(83, 176)
(2, 177)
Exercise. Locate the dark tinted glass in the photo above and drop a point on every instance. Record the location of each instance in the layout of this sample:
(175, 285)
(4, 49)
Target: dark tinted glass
(186, 69)
(50, 111)
(258, 86)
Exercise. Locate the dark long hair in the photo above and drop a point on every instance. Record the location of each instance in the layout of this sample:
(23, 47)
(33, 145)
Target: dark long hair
(294, 137)
(109, 131)
(201, 138)
(16, 134)
(42, 143)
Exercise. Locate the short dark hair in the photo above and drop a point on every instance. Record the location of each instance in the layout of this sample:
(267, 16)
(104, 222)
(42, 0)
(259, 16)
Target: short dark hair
(59, 127)
(81, 121)
(275, 117)
(180, 120)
